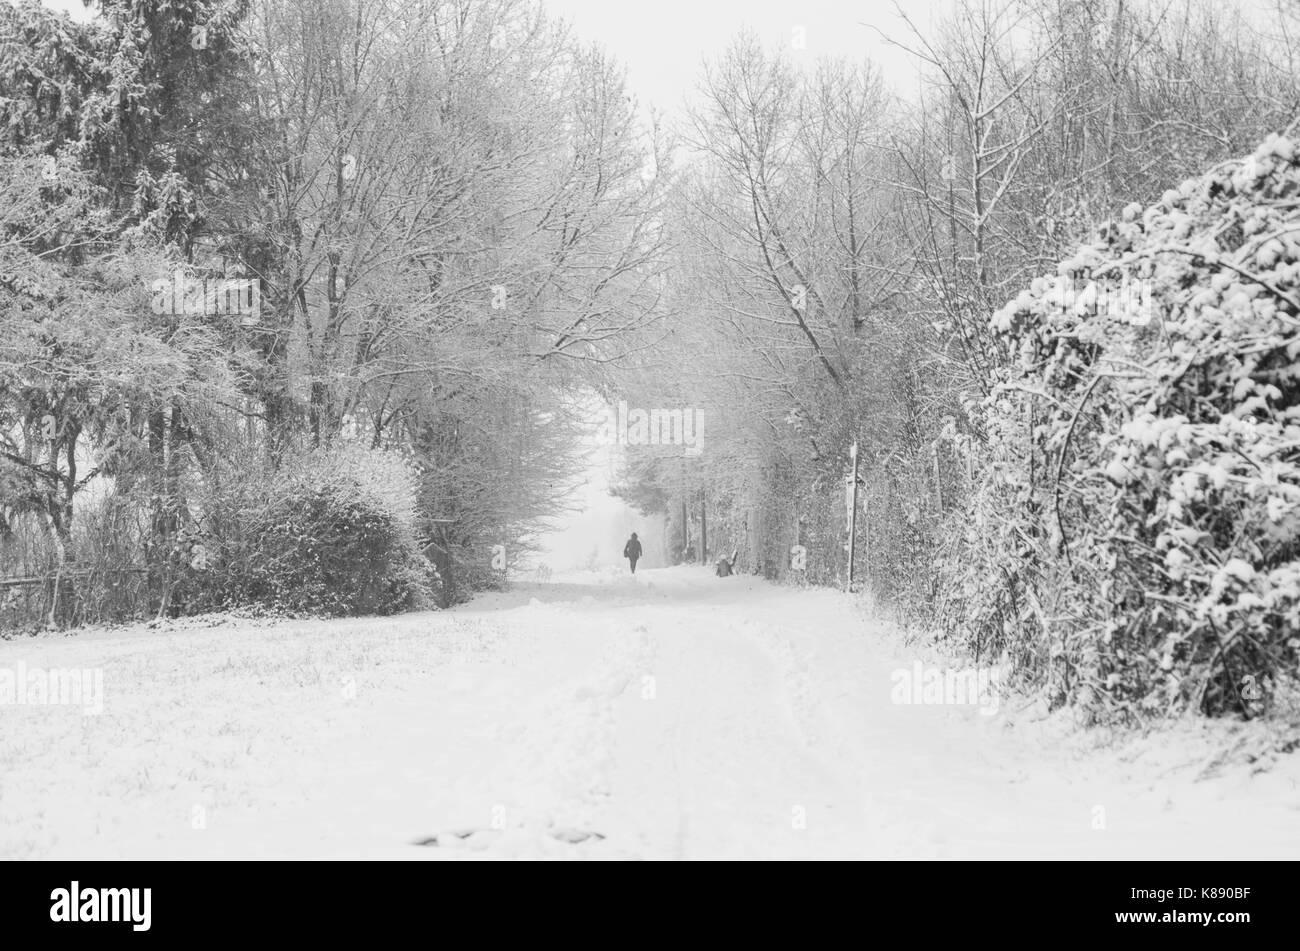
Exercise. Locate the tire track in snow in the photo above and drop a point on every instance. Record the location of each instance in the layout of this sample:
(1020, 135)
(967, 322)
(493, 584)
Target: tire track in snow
(555, 780)
(748, 746)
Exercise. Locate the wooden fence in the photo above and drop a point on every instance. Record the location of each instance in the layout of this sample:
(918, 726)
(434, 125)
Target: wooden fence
(71, 596)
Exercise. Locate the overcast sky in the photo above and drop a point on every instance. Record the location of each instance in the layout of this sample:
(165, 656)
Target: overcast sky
(663, 42)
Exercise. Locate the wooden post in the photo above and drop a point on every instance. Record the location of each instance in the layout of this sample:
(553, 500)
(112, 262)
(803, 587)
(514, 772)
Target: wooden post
(853, 512)
(866, 542)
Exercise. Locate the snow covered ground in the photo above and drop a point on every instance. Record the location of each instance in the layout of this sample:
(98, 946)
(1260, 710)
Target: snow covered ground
(676, 715)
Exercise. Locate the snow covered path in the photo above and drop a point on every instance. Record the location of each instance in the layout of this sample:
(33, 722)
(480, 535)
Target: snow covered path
(674, 716)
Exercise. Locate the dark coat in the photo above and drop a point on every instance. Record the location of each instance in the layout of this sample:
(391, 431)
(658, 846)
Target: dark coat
(632, 549)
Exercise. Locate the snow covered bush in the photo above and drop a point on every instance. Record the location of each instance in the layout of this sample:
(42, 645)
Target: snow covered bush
(331, 533)
(1132, 542)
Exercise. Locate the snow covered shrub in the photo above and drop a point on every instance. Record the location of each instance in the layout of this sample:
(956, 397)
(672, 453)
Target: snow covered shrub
(1133, 540)
(331, 533)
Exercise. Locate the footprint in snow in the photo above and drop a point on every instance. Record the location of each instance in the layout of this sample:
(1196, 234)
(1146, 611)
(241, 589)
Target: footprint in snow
(459, 838)
(574, 836)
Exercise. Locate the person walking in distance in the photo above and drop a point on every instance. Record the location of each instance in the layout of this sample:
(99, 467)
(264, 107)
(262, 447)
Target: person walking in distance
(632, 551)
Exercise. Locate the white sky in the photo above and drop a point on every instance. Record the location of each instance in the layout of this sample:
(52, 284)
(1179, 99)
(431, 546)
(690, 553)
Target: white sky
(74, 8)
(663, 42)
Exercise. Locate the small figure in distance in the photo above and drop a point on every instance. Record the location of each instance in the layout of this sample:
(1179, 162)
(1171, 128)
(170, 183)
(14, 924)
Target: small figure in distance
(632, 551)
(726, 565)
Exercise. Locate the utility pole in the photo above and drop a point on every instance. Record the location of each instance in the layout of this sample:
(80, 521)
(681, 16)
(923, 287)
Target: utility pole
(686, 528)
(853, 512)
(704, 532)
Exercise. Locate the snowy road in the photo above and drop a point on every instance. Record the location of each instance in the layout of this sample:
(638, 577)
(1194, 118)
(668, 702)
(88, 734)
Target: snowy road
(674, 716)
